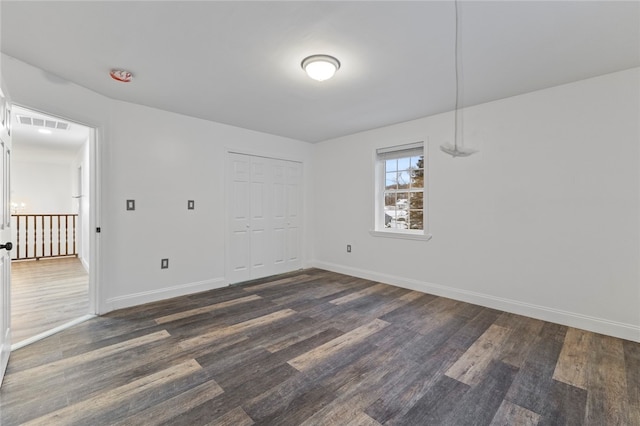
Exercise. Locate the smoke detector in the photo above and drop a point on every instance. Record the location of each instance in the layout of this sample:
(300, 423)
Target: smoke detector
(121, 75)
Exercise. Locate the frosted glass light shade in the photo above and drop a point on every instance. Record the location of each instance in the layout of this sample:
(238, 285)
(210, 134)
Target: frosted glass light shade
(320, 67)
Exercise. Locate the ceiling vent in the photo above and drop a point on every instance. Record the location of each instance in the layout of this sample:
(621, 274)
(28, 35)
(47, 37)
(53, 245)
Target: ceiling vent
(40, 122)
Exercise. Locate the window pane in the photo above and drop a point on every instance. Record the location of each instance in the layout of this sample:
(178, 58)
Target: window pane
(403, 163)
(391, 181)
(416, 200)
(389, 201)
(417, 162)
(417, 178)
(396, 219)
(391, 165)
(390, 215)
(404, 179)
(402, 201)
(415, 219)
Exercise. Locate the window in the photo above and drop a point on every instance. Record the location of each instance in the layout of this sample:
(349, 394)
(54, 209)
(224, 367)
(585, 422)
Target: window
(400, 194)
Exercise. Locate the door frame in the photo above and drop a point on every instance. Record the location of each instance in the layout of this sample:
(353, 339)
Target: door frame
(94, 186)
(94, 220)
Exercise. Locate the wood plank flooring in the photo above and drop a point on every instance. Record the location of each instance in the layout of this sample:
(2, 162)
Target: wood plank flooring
(45, 294)
(319, 348)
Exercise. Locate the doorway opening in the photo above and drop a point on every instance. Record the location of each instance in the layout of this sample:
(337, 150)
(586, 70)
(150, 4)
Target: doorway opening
(52, 180)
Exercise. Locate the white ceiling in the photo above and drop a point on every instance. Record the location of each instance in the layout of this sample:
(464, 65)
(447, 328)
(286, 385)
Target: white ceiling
(239, 62)
(59, 146)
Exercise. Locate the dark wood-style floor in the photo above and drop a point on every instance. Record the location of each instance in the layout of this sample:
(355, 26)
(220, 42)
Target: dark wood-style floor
(46, 294)
(319, 348)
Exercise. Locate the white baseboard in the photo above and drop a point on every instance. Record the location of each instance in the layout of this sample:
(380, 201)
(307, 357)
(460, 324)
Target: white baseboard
(571, 319)
(141, 298)
(85, 264)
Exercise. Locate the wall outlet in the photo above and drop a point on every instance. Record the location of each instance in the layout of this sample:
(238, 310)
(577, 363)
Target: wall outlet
(348, 248)
(164, 264)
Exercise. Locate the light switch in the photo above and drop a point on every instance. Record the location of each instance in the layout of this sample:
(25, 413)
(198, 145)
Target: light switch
(191, 204)
(164, 264)
(131, 204)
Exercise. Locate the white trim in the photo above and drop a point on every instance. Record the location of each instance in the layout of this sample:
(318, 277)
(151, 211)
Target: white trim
(85, 264)
(401, 235)
(143, 297)
(95, 186)
(5, 353)
(400, 151)
(51, 332)
(570, 319)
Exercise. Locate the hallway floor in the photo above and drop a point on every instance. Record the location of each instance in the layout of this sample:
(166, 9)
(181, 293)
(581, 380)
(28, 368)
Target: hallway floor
(46, 294)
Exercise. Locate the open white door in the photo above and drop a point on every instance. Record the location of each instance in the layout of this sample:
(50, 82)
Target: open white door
(5, 236)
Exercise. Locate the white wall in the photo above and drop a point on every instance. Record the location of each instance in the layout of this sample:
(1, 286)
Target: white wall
(44, 187)
(161, 160)
(165, 159)
(543, 221)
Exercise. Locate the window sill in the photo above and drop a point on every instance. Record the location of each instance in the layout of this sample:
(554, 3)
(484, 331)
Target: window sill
(401, 235)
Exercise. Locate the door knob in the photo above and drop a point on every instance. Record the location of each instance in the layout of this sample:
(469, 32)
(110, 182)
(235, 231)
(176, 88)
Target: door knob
(7, 246)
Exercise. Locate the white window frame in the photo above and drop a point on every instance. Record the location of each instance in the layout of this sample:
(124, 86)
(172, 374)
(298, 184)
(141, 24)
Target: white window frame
(381, 155)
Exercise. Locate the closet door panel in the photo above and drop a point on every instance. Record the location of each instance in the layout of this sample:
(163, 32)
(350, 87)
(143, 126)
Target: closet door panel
(260, 262)
(279, 215)
(239, 208)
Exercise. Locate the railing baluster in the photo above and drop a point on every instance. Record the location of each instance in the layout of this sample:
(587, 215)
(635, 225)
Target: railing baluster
(42, 235)
(58, 235)
(66, 235)
(35, 236)
(74, 236)
(35, 244)
(18, 236)
(26, 237)
(40, 219)
(50, 235)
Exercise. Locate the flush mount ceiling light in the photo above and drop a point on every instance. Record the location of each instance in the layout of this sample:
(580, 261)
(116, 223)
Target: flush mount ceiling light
(121, 75)
(44, 131)
(320, 67)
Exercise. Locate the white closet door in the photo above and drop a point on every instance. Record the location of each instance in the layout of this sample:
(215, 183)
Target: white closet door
(239, 200)
(279, 216)
(264, 217)
(260, 241)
